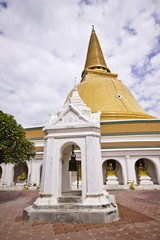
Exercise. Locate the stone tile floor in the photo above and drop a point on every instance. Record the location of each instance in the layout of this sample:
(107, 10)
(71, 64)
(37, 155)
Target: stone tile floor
(139, 212)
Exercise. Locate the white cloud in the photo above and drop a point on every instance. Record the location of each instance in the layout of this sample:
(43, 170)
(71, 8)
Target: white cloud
(44, 47)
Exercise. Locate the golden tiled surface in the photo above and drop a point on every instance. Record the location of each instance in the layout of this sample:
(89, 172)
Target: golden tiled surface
(34, 133)
(131, 127)
(131, 144)
(101, 93)
(39, 149)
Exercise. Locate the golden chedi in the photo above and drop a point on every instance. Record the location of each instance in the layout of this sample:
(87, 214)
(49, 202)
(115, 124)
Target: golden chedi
(101, 90)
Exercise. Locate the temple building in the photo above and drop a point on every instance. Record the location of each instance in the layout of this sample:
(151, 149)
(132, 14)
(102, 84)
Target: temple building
(130, 137)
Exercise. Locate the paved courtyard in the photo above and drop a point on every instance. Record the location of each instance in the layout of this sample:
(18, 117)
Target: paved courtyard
(139, 213)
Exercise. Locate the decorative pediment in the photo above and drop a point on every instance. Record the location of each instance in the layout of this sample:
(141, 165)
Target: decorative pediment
(74, 112)
(70, 116)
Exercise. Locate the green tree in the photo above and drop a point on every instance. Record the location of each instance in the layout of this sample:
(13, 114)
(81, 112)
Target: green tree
(14, 147)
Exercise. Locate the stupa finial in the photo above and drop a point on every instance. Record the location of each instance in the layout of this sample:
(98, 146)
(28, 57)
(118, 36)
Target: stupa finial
(75, 84)
(95, 59)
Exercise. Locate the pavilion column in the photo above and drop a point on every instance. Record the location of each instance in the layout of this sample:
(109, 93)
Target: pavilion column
(47, 170)
(94, 170)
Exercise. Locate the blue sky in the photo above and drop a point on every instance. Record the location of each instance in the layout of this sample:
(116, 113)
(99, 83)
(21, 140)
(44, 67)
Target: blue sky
(43, 46)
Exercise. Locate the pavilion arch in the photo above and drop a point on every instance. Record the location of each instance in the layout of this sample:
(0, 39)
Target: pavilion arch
(69, 143)
(116, 167)
(68, 179)
(19, 170)
(149, 166)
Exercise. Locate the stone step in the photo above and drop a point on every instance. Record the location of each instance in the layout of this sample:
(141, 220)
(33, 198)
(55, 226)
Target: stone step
(71, 206)
(77, 206)
(72, 193)
(69, 199)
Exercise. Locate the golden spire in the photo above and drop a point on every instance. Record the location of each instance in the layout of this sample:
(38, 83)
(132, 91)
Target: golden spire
(100, 89)
(95, 59)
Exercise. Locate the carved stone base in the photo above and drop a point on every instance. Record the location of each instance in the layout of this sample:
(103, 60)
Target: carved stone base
(98, 208)
(78, 214)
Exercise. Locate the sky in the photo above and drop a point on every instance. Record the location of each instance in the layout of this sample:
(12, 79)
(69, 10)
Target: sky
(43, 47)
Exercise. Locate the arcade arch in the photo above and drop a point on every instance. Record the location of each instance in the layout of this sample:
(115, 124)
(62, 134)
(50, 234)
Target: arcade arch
(148, 166)
(21, 172)
(117, 168)
(70, 180)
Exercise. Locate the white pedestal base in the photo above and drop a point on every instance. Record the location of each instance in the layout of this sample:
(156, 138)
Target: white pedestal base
(112, 180)
(145, 180)
(21, 183)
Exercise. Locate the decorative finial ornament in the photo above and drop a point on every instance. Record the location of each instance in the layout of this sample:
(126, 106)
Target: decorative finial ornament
(95, 58)
(75, 84)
